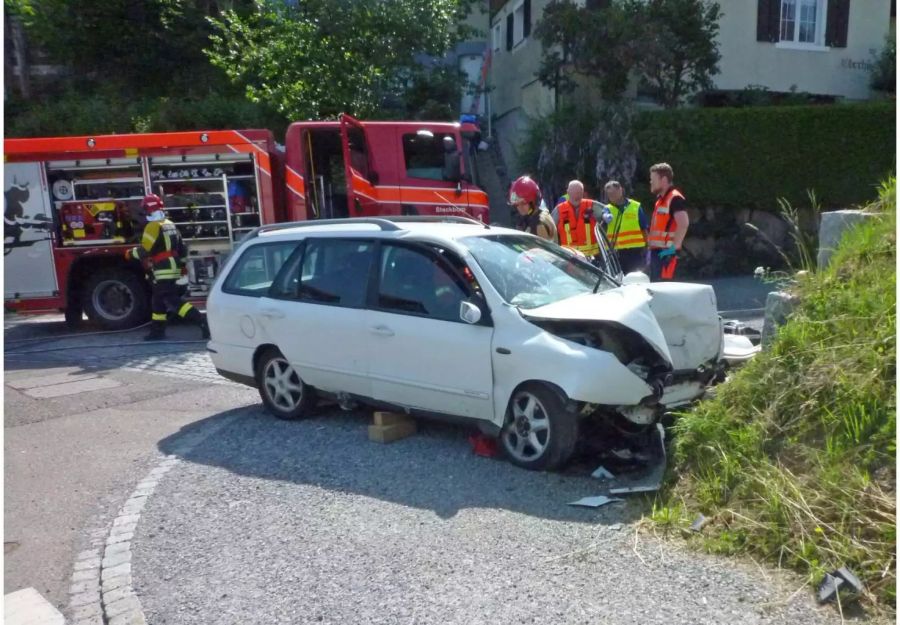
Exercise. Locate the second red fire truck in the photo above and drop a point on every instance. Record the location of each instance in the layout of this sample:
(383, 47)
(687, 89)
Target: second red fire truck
(73, 203)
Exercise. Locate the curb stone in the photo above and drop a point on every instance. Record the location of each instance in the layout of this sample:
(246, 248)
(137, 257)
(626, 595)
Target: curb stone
(101, 592)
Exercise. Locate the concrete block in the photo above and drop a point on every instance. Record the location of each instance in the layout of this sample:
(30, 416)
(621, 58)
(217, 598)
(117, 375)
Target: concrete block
(79, 587)
(117, 581)
(87, 612)
(122, 606)
(126, 519)
(128, 528)
(116, 548)
(832, 227)
(117, 559)
(779, 306)
(119, 538)
(391, 433)
(122, 592)
(90, 563)
(129, 618)
(85, 598)
(115, 571)
(85, 575)
(28, 607)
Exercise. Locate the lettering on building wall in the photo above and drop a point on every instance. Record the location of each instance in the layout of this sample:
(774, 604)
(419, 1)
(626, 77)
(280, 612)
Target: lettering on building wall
(865, 66)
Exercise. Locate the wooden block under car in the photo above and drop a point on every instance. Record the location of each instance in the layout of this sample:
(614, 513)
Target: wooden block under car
(382, 417)
(391, 433)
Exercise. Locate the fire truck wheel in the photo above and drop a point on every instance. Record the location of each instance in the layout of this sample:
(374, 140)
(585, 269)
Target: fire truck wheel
(115, 299)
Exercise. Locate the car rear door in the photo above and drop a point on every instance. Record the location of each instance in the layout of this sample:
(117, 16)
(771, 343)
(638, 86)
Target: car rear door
(422, 355)
(315, 313)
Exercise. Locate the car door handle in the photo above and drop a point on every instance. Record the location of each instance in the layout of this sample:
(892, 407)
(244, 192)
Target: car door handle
(382, 331)
(272, 313)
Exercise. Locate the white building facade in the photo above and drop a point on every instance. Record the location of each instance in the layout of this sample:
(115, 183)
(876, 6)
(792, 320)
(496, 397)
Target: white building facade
(822, 47)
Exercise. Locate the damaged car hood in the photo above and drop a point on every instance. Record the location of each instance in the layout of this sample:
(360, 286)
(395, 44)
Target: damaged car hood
(626, 305)
(679, 320)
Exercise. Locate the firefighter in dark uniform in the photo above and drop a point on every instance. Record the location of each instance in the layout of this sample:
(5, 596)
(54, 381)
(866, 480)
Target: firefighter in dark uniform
(531, 215)
(163, 253)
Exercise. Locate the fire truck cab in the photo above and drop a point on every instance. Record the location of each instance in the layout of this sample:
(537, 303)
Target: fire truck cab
(364, 169)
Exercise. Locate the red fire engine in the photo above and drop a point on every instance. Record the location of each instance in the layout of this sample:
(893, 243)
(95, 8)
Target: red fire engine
(73, 203)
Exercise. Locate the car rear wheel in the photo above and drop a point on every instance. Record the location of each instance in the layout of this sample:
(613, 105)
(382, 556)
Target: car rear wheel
(539, 433)
(282, 390)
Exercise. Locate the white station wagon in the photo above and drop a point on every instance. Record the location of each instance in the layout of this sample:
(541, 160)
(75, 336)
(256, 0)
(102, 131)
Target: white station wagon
(450, 318)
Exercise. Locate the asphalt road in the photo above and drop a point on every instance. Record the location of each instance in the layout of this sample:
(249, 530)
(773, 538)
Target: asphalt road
(266, 521)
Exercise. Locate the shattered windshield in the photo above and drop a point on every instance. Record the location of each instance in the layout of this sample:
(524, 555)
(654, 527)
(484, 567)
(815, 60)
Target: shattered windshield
(529, 272)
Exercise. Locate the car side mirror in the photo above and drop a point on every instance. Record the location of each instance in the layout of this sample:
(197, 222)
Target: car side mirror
(469, 312)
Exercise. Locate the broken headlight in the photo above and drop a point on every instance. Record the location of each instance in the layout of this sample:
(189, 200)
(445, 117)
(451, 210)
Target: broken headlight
(628, 346)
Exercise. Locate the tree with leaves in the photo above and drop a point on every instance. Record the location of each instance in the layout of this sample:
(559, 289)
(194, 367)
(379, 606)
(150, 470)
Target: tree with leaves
(680, 52)
(141, 46)
(884, 75)
(669, 45)
(595, 43)
(318, 58)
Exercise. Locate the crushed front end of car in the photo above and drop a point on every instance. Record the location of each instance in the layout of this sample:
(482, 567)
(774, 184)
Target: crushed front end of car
(666, 335)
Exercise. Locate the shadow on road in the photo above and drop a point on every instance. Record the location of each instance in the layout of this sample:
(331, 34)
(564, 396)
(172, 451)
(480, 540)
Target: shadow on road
(433, 470)
(42, 342)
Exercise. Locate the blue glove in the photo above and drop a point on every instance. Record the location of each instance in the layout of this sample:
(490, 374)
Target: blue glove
(666, 253)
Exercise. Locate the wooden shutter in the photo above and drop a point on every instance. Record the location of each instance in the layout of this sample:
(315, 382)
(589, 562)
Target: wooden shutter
(768, 20)
(509, 31)
(526, 21)
(838, 23)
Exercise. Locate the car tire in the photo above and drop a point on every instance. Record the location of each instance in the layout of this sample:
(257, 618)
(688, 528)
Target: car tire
(538, 433)
(115, 299)
(283, 392)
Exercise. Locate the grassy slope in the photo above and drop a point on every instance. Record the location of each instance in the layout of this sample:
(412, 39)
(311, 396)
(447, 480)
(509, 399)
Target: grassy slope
(795, 456)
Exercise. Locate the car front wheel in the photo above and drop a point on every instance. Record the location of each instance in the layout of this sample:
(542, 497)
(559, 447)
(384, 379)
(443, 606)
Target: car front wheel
(284, 394)
(539, 433)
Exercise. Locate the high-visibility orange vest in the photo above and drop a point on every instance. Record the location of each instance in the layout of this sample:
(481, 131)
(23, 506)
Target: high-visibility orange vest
(574, 230)
(662, 224)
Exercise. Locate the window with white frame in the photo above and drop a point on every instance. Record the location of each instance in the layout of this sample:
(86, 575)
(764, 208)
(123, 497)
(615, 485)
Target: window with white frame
(497, 37)
(519, 23)
(803, 22)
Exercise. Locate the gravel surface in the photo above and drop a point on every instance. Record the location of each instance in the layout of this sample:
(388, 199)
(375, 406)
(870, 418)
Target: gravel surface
(295, 522)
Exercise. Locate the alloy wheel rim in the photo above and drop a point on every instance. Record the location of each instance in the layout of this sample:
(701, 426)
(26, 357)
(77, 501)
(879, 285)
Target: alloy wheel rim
(283, 385)
(527, 431)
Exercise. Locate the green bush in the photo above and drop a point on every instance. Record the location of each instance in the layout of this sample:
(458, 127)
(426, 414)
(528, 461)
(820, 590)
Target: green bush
(795, 457)
(749, 157)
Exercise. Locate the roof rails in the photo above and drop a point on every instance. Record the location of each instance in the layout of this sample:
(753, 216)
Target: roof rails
(388, 224)
(450, 219)
(384, 224)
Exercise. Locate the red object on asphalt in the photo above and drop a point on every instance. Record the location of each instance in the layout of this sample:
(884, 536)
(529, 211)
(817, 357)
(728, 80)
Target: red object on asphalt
(484, 446)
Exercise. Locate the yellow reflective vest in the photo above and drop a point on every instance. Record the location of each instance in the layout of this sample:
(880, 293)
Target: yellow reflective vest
(624, 229)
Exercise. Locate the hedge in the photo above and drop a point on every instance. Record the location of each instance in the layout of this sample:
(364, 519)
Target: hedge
(748, 157)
